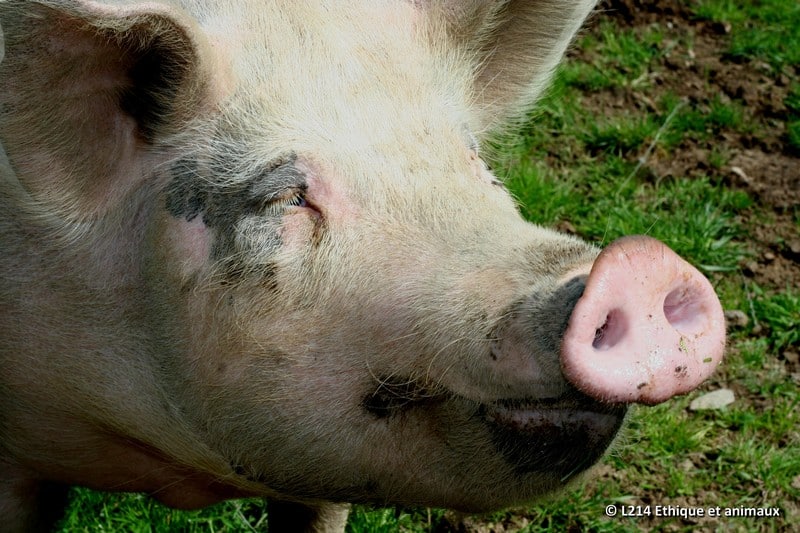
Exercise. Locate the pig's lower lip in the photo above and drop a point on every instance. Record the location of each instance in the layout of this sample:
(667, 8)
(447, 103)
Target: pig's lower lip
(562, 437)
(530, 415)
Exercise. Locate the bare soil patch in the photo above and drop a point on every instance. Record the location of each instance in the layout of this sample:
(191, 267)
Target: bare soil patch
(696, 67)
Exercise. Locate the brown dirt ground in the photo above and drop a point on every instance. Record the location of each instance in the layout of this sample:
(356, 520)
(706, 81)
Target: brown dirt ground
(761, 162)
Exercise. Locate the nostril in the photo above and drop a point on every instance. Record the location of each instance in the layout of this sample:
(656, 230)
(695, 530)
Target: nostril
(611, 332)
(684, 310)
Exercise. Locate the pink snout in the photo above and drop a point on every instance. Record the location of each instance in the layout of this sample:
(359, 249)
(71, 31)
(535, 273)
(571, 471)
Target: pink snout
(647, 327)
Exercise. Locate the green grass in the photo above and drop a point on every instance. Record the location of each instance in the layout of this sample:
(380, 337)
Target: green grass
(592, 169)
(92, 512)
(792, 103)
(763, 30)
(603, 194)
(619, 57)
(781, 314)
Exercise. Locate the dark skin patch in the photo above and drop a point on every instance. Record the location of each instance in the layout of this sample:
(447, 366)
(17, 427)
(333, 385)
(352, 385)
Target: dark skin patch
(319, 232)
(245, 472)
(546, 314)
(238, 469)
(191, 193)
(201, 190)
(394, 396)
(565, 446)
(184, 198)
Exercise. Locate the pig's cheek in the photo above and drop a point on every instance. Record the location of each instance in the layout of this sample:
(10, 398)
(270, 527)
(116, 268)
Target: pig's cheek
(298, 229)
(494, 288)
(190, 241)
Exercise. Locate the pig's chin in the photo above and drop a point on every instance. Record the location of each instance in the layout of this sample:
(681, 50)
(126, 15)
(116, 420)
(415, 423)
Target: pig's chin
(560, 437)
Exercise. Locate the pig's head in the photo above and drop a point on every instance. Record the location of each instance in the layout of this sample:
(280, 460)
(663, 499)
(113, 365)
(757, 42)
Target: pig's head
(337, 297)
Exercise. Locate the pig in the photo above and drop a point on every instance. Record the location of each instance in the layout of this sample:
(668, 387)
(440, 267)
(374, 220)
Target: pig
(252, 249)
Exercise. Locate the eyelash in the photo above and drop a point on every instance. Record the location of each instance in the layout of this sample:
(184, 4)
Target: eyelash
(298, 200)
(278, 204)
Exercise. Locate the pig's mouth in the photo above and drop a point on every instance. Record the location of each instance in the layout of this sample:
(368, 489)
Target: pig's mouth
(561, 436)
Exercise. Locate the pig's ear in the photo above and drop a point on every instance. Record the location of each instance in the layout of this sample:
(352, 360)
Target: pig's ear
(86, 90)
(517, 45)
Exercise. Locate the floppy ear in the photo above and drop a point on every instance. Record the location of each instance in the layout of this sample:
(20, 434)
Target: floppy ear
(517, 44)
(85, 90)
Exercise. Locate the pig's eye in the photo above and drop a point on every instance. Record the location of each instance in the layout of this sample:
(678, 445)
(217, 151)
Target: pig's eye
(277, 204)
(299, 200)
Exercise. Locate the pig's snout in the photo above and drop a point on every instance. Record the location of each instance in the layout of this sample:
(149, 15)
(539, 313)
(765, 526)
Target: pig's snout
(648, 326)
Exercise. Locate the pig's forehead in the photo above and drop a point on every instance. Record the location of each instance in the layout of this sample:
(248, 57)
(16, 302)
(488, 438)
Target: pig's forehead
(357, 77)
